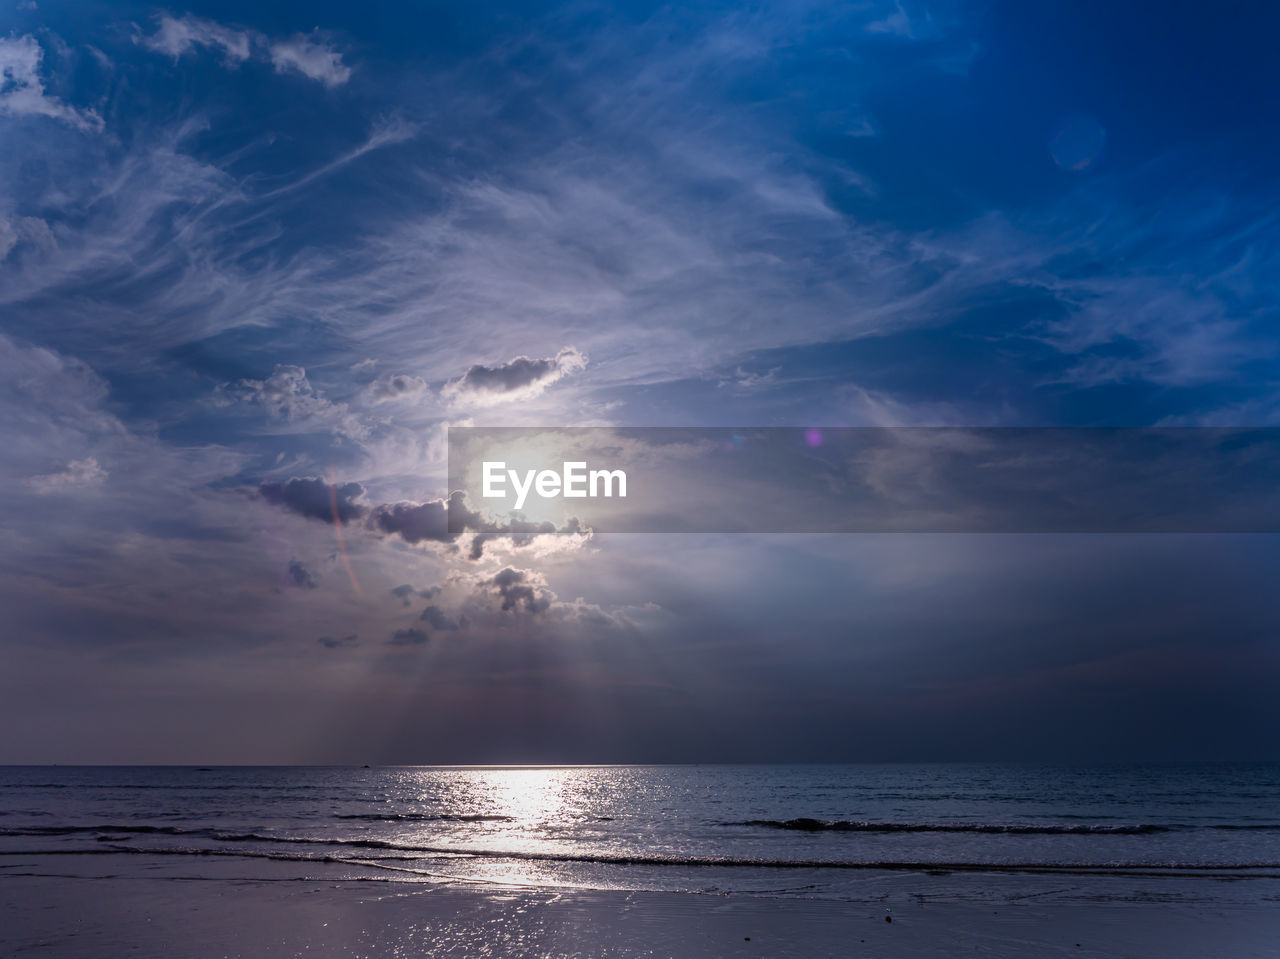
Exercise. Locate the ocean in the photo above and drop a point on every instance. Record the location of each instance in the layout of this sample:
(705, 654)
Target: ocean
(1208, 831)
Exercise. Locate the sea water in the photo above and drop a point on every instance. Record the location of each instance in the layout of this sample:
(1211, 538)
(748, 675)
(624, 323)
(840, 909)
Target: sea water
(1206, 832)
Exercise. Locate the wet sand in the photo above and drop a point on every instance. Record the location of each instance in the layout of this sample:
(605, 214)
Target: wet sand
(53, 907)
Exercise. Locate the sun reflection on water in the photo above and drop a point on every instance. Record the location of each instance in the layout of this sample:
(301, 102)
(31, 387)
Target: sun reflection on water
(533, 798)
(518, 809)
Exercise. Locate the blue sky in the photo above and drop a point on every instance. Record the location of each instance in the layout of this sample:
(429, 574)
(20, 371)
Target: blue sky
(243, 245)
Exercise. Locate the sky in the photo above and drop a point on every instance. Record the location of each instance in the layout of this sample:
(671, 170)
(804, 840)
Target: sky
(255, 259)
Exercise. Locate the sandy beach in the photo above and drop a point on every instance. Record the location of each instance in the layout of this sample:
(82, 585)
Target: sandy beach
(78, 910)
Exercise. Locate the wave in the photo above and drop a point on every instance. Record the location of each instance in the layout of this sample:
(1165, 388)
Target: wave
(423, 817)
(103, 831)
(201, 785)
(1262, 870)
(805, 824)
(348, 851)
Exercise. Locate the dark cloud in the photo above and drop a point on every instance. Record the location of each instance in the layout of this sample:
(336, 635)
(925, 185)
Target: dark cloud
(435, 521)
(314, 498)
(515, 375)
(438, 619)
(406, 592)
(397, 387)
(408, 637)
(301, 576)
(517, 378)
(329, 642)
(517, 587)
(420, 522)
(438, 521)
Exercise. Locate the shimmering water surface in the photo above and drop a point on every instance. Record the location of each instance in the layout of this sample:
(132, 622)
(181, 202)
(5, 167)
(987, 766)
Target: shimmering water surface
(777, 830)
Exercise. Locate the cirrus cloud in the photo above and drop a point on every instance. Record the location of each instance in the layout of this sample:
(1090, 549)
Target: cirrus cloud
(177, 36)
(312, 55)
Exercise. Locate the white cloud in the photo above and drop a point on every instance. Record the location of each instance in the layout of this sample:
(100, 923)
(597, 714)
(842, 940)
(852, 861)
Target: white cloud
(176, 37)
(309, 55)
(312, 58)
(287, 395)
(22, 91)
(79, 473)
